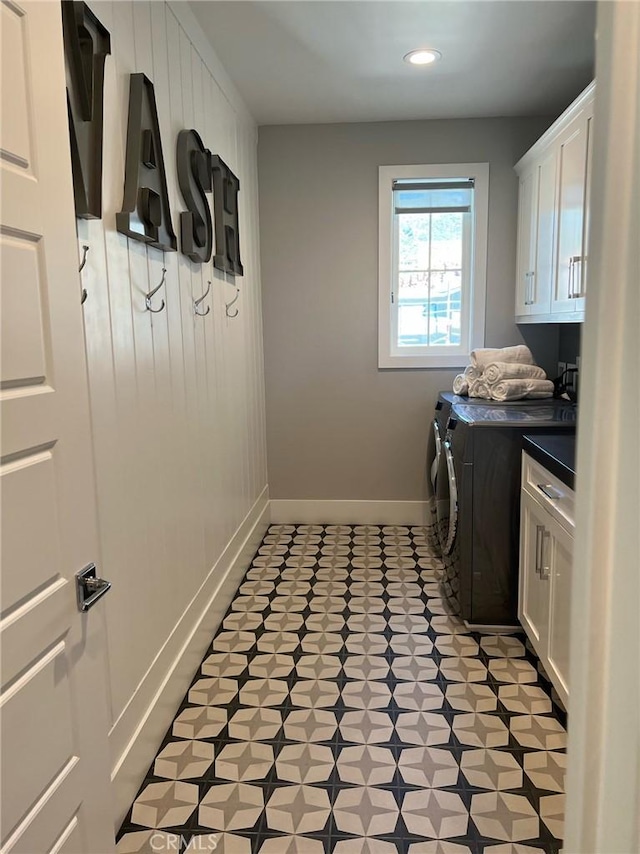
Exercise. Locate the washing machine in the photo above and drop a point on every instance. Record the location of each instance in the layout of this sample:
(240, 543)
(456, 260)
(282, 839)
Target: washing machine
(477, 504)
(437, 430)
(435, 438)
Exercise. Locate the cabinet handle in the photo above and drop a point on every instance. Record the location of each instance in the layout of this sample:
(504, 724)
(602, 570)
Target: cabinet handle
(539, 542)
(577, 292)
(528, 288)
(545, 569)
(574, 293)
(570, 284)
(549, 491)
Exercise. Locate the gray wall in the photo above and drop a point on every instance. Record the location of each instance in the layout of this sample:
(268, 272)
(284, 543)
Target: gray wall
(337, 426)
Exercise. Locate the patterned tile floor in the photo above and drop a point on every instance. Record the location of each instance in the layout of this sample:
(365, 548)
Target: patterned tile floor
(340, 709)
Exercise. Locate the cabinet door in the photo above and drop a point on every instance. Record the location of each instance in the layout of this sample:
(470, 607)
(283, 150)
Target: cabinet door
(556, 562)
(579, 300)
(527, 194)
(543, 270)
(533, 597)
(572, 168)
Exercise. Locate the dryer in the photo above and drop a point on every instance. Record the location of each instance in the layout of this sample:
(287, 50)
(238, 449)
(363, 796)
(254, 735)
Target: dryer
(478, 504)
(435, 438)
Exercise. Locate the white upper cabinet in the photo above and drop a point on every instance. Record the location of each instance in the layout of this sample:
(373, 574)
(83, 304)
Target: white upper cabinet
(526, 240)
(553, 219)
(544, 249)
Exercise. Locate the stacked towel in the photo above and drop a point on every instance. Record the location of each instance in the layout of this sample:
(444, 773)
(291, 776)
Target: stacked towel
(479, 388)
(517, 389)
(509, 373)
(498, 371)
(519, 354)
(461, 382)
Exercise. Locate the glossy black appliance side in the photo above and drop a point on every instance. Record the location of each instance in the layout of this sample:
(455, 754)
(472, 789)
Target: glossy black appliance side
(481, 570)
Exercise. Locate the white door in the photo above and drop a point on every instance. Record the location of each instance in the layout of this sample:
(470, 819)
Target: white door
(557, 561)
(527, 198)
(53, 704)
(580, 300)
(543, 268)
(533, 605)
(572, 165)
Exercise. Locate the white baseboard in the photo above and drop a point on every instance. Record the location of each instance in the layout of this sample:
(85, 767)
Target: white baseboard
(136, 735)
(305, 512)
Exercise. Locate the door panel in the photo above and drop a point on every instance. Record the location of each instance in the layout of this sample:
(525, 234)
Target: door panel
(22, 328)
(533, 607)
(572, 165)
(15, 128)
(526, 241)
(28, 505)
(55, 779)
(580, 301)
(543, 268)
(560, 559)
(36, 705)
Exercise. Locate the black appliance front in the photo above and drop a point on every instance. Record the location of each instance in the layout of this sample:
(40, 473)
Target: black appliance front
(434, 449)
(478, 507)
(435, 439)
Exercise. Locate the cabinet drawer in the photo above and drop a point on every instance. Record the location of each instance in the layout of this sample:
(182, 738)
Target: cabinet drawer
(549, 491)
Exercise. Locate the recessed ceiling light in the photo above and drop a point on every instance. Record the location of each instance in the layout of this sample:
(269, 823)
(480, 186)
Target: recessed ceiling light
(424, 56)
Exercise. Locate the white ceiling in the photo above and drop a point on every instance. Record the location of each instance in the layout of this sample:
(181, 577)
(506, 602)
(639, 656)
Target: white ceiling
(307, 61)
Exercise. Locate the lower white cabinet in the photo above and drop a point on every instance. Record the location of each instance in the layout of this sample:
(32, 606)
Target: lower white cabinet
(546, 551)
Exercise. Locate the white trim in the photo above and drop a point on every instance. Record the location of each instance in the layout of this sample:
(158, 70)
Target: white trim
(135, 736)
(603, 779)
(550, 135)
(343, 512)
(446, 357)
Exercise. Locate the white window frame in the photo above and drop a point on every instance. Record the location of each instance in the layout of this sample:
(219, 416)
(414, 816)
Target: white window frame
(473, 296)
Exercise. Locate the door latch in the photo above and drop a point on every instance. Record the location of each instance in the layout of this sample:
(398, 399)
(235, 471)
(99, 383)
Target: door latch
(90, 588)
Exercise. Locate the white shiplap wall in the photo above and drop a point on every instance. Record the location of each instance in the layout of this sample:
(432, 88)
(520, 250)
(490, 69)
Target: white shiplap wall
(177, 400)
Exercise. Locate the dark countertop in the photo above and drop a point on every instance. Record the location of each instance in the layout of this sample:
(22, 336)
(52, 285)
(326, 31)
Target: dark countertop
(556, 452)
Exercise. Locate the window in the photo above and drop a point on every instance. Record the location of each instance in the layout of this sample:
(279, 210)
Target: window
(432, 264)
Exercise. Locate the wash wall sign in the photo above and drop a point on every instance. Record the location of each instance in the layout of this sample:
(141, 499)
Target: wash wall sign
(145, 213)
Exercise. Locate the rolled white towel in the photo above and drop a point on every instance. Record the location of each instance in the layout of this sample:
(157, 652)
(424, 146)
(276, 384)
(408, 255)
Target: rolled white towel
(472, 373)
(461, 384)
(517, 389)
(479, 388)
(520, 353)
(497, 371)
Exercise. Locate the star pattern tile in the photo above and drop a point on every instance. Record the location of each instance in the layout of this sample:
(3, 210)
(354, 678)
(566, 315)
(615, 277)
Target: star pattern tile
(255, 724)
(341, 709)
(491, 769)
(305, 763)
(298, 809)
(435, 813)
(181, 760)
(546, 769)
(291, 845)
(429, 767)
(502, 815)
(231, 806)
(244, 760)
(165, 804)
(366, 765)
(365, 811)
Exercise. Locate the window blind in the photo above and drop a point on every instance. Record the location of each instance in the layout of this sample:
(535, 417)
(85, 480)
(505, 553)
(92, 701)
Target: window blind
(437, 196)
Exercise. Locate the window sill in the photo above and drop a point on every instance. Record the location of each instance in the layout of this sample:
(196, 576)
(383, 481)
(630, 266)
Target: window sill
(434, 361)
